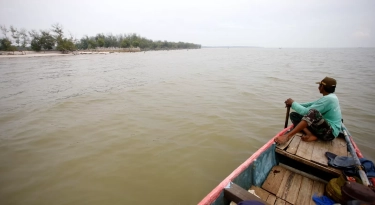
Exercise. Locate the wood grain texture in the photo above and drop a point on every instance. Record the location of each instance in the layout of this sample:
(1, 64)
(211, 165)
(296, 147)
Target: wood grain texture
(284, 182)
(283, 146)
(263, 194)
(237, 194)
(294, 188)
(293, 146)
(290, 187)
(274, 178)
(318, 155)
(328, 169)
(271, 199)
(304, 196)
(338, 146)
(279, 202)
(305, 149)
(317, 189)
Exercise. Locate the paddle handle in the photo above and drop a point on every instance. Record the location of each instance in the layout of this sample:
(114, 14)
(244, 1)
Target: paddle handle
(362, 174)
(287, 116)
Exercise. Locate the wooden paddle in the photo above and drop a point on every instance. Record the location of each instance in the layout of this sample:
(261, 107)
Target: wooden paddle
(282, 146)
(287, 116)
(352, 151)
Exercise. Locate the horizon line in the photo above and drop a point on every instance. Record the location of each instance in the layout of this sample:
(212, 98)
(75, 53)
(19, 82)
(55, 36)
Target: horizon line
(203, 46)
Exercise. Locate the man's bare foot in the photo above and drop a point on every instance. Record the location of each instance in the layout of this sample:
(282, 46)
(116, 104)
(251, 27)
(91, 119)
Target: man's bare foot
(281, 139)
(309, 138)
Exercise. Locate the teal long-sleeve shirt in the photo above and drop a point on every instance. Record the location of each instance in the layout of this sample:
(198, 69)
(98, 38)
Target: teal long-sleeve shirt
(328, 106)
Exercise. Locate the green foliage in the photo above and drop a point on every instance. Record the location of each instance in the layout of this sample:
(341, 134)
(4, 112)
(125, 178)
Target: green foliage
(135, 43)
(65, 45)
(15, 35)
(24, 38)
(100, 42)
(92, 44)
(47, 42)
(5, 44)
(111, 41)
(125, 43)
(83, 43)
(48, 39)
(35, 44)
(58, 30)
(12, 48)
(130, 40)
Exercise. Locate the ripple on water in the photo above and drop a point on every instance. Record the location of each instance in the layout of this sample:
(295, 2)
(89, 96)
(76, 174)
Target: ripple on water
(98, 129)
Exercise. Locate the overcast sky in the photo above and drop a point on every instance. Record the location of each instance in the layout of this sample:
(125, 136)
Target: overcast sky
(300, 23)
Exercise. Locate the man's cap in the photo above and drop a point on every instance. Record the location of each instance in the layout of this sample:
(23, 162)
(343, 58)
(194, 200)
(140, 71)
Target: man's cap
(328, 82)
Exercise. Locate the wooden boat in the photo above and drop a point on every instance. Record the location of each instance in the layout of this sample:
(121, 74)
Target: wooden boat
(283, 174)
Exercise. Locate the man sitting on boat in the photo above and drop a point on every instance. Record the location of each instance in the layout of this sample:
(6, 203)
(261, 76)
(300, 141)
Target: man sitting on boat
(320, 119)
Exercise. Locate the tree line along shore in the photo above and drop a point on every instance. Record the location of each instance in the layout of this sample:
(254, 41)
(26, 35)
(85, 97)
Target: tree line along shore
(54, 39)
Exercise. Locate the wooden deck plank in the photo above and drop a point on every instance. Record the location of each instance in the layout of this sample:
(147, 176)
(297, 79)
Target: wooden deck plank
(280, 193)
(339, 147)
(318, 189)
(263, 194)
(290, 187)
(343, 145)
(304, 196)
(237, 194)
(328, 169)
(294, 189)
(293, 146)
(271, 199)
(305, 149)
(318, 155)
(283, 146)
(274, 178)
(279, 202)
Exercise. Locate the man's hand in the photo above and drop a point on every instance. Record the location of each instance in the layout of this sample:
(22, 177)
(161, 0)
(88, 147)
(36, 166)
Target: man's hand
(289, 102)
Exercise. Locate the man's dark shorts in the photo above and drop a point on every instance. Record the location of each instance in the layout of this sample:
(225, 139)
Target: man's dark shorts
(316, 124)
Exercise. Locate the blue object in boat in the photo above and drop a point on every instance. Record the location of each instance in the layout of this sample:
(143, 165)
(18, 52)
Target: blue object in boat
(322, 200)
(348, 164)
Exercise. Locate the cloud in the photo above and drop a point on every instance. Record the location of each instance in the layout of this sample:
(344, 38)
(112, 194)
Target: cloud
(230, 25)
(361, 34)
(266, 23)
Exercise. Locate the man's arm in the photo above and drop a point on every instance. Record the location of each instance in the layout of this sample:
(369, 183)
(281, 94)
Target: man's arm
(307, 104)
(299, 108)
(317, 105)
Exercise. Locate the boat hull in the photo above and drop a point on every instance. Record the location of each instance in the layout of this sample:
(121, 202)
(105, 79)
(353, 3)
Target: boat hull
(254, 171)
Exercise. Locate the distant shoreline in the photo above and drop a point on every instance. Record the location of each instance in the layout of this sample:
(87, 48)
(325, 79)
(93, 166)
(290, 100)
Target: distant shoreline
(25, 54)
(36, 55)
(231, 47)
(29, 54)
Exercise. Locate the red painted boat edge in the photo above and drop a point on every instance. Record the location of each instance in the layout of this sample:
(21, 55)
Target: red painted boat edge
(214, 194)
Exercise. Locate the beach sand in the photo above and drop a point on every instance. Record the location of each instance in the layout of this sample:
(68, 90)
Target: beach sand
(28, 54)
(35, 55)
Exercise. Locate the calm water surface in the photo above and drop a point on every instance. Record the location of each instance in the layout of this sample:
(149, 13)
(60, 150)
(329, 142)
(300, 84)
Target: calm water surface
(159, 127)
